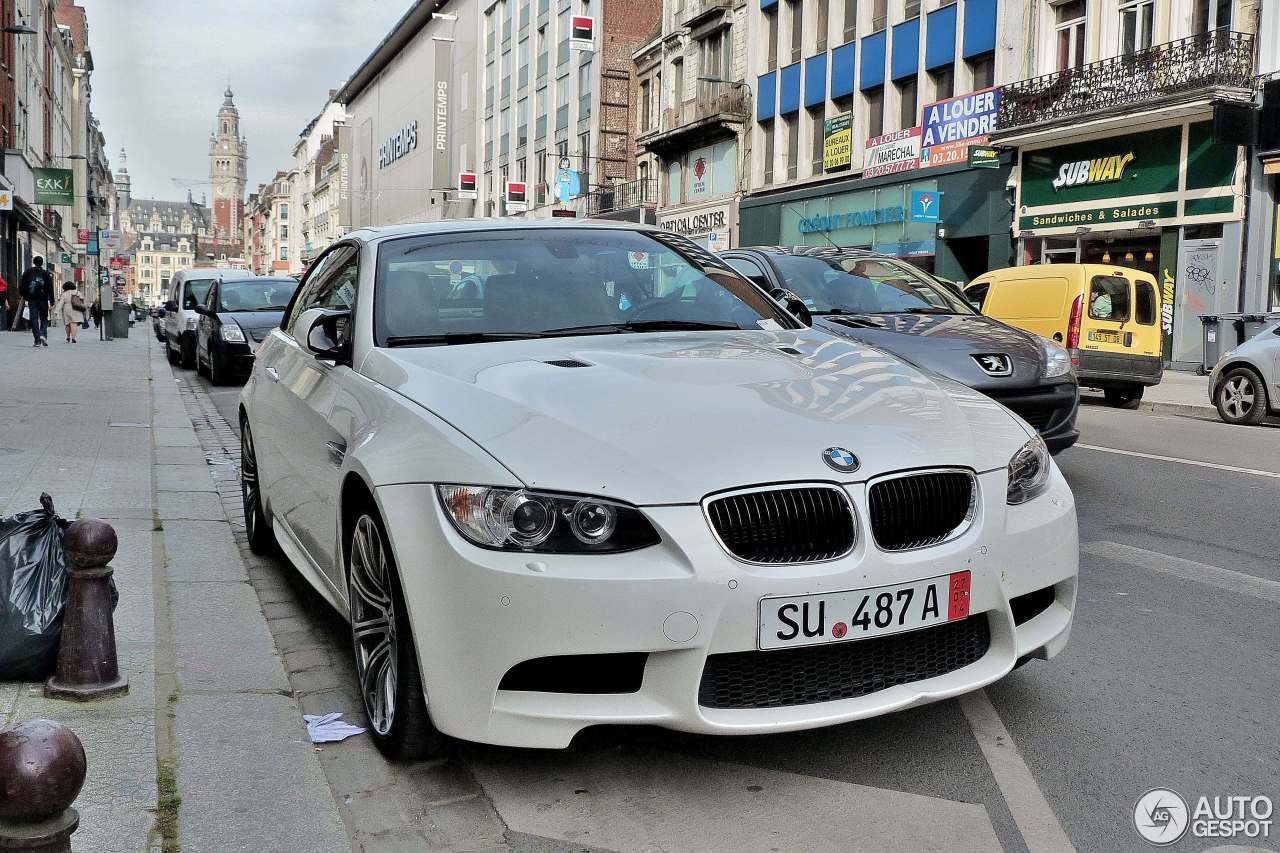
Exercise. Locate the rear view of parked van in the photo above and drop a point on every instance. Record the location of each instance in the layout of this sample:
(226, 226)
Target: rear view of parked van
(1108, 317)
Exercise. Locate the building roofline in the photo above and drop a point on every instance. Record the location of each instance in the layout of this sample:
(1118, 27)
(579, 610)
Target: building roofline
(409, 25)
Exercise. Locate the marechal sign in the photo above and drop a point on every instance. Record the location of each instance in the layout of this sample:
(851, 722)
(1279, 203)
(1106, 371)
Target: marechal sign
(892, 152)
(55, 186)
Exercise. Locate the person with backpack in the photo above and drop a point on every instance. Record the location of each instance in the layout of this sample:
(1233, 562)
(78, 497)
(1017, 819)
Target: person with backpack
(70, 310)
(36, 287)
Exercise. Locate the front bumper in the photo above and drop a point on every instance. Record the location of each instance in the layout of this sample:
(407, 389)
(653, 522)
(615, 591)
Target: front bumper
(234, 358)
(1050, 410)
(477, 613)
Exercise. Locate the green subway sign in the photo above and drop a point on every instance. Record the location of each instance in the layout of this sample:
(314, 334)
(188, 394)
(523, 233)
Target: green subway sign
(1136, 164)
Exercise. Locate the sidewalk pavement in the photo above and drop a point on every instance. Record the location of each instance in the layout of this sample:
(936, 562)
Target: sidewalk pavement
(1178, 393)
(208, 750)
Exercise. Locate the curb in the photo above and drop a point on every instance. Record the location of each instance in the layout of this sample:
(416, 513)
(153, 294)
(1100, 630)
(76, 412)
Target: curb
(1193, 410)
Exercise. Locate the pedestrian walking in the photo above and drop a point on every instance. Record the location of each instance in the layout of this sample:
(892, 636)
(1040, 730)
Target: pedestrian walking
(70, 310)
(36, 287)
(96, 312)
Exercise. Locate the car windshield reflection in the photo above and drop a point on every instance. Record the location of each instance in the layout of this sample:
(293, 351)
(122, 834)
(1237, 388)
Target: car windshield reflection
(853, 285)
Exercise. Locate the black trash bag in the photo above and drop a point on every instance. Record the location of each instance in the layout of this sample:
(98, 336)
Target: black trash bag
(32, 592)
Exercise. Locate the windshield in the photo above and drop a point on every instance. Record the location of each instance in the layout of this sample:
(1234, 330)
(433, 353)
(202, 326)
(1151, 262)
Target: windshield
(256, 294)
(864, 286)
(555, 281)
(197, 290)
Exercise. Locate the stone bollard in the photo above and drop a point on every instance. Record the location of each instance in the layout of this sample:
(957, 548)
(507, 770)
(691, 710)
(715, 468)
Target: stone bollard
(87, 665)
(42, 768)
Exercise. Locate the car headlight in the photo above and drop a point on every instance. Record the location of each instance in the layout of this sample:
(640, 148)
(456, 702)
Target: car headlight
(233, 334)
(1028, 472)
(1057, 361)
(509, 519)
(191, 323)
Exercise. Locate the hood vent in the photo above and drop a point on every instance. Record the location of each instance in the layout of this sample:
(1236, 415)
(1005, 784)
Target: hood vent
(567, 362)
(790, 350)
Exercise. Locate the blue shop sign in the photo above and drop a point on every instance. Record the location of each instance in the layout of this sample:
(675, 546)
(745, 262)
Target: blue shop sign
(853, 219)
(926, 206)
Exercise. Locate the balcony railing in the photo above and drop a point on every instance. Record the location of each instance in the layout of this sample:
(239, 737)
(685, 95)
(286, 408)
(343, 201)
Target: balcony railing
(1176, 70)
(638, 193)
(713, 100)
(699, 9)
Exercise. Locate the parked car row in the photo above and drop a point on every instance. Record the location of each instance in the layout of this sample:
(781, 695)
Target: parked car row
(214, 319)
(561, 475)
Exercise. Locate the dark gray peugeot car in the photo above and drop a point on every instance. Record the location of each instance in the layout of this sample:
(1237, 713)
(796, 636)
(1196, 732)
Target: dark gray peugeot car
(892, 305)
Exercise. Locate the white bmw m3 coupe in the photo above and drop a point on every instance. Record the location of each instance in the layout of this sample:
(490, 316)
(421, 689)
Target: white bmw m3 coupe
(563, 475)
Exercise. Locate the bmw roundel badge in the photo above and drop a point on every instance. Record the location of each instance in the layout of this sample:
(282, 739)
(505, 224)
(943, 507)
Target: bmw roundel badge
(839, 459)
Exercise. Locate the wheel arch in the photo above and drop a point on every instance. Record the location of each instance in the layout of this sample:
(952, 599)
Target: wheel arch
(1251, 367)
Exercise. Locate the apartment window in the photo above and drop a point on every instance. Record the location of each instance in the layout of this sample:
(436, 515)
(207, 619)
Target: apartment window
(504, 130)
(819, 124)
(164, 259)
(491, 33)
(488, 138)
(645, 106)
(983, 69)
(562, 37)
(1137, 25)
(584, 145)
(562, 102)
(284, 253)
(284, 235)
(824, 11)
(521, 165)
(677, 82)
(542, 53)
(850, 20)
(875, 111)
(584, 88)
(771, 38)
(1070, 34)
(879, 14)
(1212, 15)
(284, 211)
(944, 82)
(768, 129)
(524, 14)
(715, 56)
(797, 29)
(522, 64)
(508, 10)
(540, 188)
(912, 9)
(907, 103)
(540, 108)
(793, 146)
(506, 74)
(522, 123)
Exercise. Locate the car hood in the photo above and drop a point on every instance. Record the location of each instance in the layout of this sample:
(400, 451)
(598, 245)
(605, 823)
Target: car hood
(662, 418)
(253, 319)
(946, 344)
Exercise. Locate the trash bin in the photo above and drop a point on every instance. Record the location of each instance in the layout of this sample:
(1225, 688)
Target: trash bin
(1212, 330)
(120, 320)
(1253, 323)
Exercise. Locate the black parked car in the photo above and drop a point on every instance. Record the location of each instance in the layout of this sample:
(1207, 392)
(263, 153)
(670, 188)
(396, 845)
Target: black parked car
(237, 314)
(892, 305)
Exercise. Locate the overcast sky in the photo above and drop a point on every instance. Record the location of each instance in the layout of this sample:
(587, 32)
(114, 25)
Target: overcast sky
(161, 66)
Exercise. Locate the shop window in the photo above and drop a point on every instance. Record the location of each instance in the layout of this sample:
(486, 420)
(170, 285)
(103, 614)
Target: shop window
(1109, 298)
(875, 111)
(1145, 304)
(850, 20)
(907, 103)
(1212, 15)
(1069, 27)
(1137, 25)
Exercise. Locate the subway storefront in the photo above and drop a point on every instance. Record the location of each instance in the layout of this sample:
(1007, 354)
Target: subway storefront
(953, 221)
(1164, 199)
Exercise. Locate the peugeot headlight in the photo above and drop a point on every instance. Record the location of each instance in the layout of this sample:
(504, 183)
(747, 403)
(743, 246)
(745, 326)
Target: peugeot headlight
(191, 324)
(1057, 361)
(1028, 472)
(522, 520)
(232, 334)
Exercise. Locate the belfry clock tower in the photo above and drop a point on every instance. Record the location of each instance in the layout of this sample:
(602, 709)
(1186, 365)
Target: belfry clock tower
(228, 167)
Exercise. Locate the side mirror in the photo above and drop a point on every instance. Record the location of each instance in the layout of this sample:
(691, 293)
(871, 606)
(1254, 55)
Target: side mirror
(171, 305)
(203, 311)
(324, 332)
(794, 305)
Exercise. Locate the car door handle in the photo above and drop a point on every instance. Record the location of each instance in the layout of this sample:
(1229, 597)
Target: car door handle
(272, 374)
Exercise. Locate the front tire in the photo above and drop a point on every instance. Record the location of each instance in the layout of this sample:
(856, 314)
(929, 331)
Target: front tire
(386, 663)
(188, 353)
(217, 376)
(168, 351)
(262, 539)
(1241, 397)
(1127, 397)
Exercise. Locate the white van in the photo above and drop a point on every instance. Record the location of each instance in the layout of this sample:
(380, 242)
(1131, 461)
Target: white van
(187, 289)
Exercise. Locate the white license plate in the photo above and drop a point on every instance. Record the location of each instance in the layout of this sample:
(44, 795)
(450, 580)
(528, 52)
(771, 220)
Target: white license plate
(835, 617)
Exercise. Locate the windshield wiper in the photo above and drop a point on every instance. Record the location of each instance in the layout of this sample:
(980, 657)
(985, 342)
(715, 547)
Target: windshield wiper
(645, 326)
(919, 309)
(451, 338)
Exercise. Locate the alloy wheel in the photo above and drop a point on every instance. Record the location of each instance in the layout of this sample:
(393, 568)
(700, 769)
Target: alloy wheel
(250, 495)
(1238, 396)
(373, 624)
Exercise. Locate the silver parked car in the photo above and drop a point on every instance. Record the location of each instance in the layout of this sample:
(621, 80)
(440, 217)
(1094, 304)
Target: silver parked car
(1245, 383)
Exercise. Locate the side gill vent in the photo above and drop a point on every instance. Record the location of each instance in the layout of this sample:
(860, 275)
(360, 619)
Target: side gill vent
(567, 362)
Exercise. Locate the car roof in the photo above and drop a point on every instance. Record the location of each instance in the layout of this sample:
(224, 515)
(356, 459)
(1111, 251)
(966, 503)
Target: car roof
(817, 252)
(455, 226)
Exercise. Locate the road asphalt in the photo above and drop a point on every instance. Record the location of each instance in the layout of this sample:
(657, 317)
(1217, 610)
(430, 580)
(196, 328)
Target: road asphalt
(1168, 682)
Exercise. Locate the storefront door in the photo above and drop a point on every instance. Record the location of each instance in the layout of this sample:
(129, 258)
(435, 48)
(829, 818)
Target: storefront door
(1200, 280)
